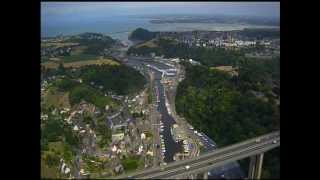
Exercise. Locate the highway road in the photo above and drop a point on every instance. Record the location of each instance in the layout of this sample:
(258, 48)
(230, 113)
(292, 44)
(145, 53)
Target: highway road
(215, 161)
(211, 160)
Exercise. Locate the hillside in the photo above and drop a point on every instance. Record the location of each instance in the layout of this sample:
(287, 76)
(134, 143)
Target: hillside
(75, 103)
(225, 108)
(172, 49)
(82, 47)
(114, 77)
(142, 35)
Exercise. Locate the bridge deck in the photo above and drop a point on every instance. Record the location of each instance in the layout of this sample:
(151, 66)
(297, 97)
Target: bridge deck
(210, 160)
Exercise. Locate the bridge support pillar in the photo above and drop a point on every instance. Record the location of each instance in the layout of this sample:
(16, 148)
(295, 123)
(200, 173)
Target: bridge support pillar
(255, 166)
(205, 175)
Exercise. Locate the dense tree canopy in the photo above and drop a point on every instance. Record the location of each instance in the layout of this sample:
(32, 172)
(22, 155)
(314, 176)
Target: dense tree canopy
(218, 104)
(122, 80)
(95, 43)
(119, 79)
(54, 130)
(89, 94)
(170, 49)
(211, 101)
(142, 34)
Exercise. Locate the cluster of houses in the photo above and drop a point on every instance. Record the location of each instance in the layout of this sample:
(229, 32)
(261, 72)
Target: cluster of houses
(92, 36)
(136, 103)
(119, 122)
(44, 86)
(229, 43)
(64, 168)
(223, 39)
(55, 51)
(127, 142)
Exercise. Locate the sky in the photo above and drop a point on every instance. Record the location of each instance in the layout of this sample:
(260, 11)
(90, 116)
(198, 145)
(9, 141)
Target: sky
(89, 10)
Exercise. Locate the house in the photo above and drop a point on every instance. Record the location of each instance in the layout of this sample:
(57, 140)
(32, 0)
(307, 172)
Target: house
(63, 112)
(97, 112)
(75, 128)
(44, 117)
(117, 137)
(116, 122)
(114, 148)
(170, 72)
(63, 166)
(193, 62)
(67, 170)
(150, 153)
(117, 97)
(119, 151)
(140, 150)
(83, 131)
(143, 135)
(175, 60)
(118, 169)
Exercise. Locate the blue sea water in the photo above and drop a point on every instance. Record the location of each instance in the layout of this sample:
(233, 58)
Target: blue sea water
(119, 27)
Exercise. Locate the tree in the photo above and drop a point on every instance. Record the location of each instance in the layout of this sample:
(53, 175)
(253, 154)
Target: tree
(209, 57)
(212, 102)
(142, 34)
(52, 160)
(53, 129)
(61, 69)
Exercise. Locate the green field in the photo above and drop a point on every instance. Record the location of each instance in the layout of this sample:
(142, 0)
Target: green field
(132, 163)
(77, 64)
(150, 44)
(78, 57)
(56, 150)
(57, 99)
(44, 59)
(48, 172)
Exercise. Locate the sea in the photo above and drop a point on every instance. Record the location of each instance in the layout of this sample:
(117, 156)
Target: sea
(119, 27)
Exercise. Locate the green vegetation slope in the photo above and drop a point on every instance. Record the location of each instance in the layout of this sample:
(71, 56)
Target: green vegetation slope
(225, 108)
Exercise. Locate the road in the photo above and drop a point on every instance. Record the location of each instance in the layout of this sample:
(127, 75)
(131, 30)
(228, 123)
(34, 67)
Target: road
(154, 119)
(211, 159)
(214, 161)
